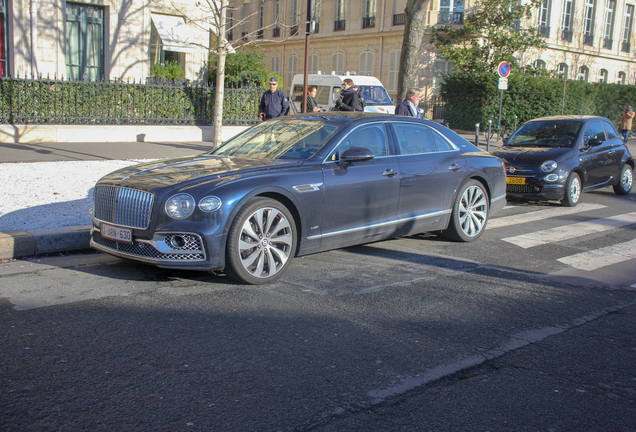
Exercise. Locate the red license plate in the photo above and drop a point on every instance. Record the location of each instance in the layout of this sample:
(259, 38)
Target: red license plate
(116, 233)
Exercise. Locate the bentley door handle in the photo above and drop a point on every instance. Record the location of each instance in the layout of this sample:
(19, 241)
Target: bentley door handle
(454, 167)
(389, 173)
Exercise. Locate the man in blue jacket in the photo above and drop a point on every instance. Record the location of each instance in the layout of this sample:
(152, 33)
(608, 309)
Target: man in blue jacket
(274, 102)
(409, 107)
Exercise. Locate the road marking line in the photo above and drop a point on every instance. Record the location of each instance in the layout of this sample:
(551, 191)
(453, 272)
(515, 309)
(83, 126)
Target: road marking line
(567, 232)
(595, 259)
(540, 215)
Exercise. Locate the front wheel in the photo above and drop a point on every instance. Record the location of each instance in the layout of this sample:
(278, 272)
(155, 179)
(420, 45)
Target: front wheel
(572, 191)
(261, 242)
(624, 186)
(470, 213)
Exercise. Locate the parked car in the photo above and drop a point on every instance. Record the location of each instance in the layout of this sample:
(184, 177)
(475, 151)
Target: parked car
(556, 158)
(297, 185)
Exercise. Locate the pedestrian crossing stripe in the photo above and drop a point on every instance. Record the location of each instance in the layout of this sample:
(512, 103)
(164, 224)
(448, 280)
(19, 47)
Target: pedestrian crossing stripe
(571, 231)
(540, 215)
(595, 259)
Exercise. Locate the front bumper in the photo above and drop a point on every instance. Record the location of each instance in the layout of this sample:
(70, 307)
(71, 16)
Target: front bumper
(536, 191)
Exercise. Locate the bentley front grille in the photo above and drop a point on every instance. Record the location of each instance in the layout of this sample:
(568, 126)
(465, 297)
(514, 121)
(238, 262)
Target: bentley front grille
(122, 206)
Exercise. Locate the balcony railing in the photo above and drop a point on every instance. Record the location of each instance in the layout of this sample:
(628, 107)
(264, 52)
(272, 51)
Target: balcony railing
(444, 17)
(368, 22)
(260, 34)
(625, 47)
(276, 32)
(294, 30)
(588, 39)
(230, 36)
(607, 43)
(566, 35)
(338, 25)
(399, 19)
(244, 36)
(544, 30)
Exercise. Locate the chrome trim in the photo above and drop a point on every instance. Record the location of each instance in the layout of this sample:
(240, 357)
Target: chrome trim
(124, 207)
(312, 187)
(439, 213)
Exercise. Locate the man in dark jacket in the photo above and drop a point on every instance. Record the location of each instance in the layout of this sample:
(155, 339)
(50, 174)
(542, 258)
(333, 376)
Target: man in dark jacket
(274, 102)
(349, 99)
(409, 107)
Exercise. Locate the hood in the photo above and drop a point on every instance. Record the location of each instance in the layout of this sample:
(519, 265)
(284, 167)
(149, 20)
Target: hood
(190, 169)
(531, 154)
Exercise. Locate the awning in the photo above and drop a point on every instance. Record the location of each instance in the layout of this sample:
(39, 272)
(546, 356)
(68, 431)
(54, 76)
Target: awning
(174, 33)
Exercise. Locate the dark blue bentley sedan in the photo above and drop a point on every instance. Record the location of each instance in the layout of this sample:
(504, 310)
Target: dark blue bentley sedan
(294, 186)
(556, 158)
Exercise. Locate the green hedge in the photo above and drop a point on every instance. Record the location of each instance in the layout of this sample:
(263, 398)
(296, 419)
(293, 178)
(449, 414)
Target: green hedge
(474, 99)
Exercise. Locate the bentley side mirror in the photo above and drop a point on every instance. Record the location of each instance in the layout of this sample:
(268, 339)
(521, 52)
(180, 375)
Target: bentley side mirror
(355, 154)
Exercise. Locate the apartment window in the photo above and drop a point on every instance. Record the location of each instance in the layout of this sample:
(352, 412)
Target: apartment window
(562, 71)
(588, 23)
(317, 17)
(442, 68)
(245, 27)
(608, 24)
(394, 67)
(276, 28)
(337, 63)
(627, 28)
(451, 12)
(294, 12)
(276, 65)
(566, 22)
(602, 76)
(260, 33)
(313, 64)
(539, 64)
(4, 70)
(292, 67)
(544, 18)
(341, 15)
(621, 78)
(583, 74)
(368, 21)
(84, 42)
(366, 63)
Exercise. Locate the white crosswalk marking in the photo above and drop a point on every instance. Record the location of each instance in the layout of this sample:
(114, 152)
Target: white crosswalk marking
(602, 257)
(540, 215)
(571, 231)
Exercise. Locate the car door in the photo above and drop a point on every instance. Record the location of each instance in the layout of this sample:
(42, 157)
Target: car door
(595, 160)
(361, 199)
(431, 169)
(616, 150)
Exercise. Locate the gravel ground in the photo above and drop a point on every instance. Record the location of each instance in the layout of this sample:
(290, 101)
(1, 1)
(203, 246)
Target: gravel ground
(49, 195)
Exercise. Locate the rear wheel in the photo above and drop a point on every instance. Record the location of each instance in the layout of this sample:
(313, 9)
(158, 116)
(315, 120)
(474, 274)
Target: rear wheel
(261, 242)
(572, 191)
(624, 186)
(470, 213)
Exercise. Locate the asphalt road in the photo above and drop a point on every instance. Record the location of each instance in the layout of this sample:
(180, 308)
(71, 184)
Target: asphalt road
(410, 334)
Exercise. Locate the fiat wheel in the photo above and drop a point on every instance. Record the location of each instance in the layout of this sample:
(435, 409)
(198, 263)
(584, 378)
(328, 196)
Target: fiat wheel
(572, 191)
(261, 242)
(470, 213)
(624, 186)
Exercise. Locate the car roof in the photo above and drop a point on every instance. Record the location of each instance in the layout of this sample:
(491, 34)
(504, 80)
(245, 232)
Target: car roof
(581, 118)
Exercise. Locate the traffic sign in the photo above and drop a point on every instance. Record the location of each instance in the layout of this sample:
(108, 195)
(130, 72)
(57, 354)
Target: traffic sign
(503, 69)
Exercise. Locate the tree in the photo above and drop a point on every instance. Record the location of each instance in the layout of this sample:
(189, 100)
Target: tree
(489, 36)
(244, 68)
(414, 27)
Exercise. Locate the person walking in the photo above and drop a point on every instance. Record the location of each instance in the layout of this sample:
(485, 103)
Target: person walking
(625, 124)
(409, 106)
(312, 103)
(349, 99)
(274, 102)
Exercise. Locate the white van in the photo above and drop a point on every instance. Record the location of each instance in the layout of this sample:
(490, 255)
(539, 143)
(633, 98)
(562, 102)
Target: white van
(371, 90)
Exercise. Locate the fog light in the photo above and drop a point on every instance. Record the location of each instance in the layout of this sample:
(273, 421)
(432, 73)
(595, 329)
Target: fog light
(551, 177)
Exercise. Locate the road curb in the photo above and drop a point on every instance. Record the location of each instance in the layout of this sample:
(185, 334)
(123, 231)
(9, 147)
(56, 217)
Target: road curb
(20, 244)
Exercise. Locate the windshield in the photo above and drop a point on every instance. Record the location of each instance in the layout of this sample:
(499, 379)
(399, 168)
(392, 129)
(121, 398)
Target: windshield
(374, 95)
(280, 139)
(549, 133)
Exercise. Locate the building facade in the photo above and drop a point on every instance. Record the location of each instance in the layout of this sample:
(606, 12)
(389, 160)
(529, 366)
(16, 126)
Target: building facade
(591, 40)
(101, 39)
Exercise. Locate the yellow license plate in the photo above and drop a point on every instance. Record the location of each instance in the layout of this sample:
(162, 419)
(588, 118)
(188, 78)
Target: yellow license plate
(515, 180)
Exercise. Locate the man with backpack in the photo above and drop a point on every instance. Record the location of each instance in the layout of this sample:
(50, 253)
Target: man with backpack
(349, 99)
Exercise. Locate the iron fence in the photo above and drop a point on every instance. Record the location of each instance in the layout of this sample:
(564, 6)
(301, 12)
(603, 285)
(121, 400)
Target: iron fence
(56, 101)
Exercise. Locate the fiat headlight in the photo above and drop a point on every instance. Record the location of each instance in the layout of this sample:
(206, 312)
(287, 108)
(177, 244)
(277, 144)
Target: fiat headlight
(180, 206)
(210, 204)
(548, 166)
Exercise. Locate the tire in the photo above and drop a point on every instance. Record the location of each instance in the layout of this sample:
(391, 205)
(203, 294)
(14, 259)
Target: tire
(626, 180)
(261, 242)
(470, 213)
(572, 191)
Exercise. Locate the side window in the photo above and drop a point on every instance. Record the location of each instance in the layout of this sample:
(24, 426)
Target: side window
(610, 131)
(413, 139)
(372, 137)
(593, 130)
(440, 143)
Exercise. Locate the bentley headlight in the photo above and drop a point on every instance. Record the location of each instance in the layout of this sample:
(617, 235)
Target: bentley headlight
(548, 166)
(210, 204)
(180, 206)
